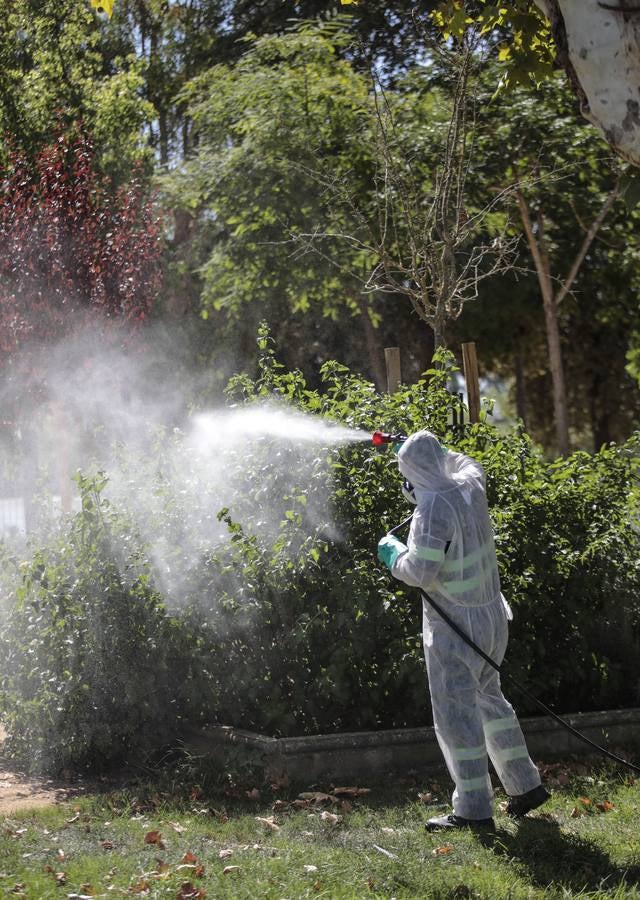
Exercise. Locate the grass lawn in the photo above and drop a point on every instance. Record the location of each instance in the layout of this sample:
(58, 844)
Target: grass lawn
(178, 840)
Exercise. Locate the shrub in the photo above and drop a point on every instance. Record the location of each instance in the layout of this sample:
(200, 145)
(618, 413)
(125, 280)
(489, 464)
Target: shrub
(324, 639)
(90, 661)
(301, 630)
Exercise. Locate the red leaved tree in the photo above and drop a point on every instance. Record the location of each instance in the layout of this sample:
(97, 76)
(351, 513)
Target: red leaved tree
(78, 257)
(73, 251)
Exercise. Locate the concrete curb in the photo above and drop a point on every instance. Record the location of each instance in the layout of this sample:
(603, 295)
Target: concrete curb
(372, 753)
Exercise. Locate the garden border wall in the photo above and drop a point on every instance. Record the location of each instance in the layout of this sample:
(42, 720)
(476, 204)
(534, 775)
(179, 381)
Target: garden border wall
(373, 753)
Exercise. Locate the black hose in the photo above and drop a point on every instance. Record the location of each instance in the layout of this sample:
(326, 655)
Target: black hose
(465, 637)
(401, 525)
(470, 643)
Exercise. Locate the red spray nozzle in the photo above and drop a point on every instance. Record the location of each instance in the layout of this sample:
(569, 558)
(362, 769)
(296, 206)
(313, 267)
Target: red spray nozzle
(380, 438)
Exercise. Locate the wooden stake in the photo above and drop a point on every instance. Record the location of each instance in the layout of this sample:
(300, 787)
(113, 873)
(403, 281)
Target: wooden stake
(470, 361)
(394, 373)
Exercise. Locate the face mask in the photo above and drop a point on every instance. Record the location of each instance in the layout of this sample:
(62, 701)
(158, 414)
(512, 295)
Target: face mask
(409, 492)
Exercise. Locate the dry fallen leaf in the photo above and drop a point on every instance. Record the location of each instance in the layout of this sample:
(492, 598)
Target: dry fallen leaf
(576, 812)
(106, 845)
(605, 806)
(425, 798)
(189, 858)
(331, 818)
(462, 891)
(442, 851)
(585, 801)
(88, 890)
(279, 805)
(310, 868)
(317, 797)
(388, 830)
(178, 827)
(253, 794)
(351, 792)
(225, 854)
(61, 878)
(140, 887)
(154, 837)
(61, 854)
(188, 891)
(269, 823)
(229, 869)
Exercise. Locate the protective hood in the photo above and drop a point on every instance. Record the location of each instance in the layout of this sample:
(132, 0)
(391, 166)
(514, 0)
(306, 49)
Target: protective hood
(422, 461)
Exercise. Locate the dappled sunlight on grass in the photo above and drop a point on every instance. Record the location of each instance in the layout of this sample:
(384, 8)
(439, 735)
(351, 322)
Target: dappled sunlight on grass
(235, 838)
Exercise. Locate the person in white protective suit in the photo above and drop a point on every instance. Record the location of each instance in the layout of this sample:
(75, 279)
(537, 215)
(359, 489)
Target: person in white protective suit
(451, 556)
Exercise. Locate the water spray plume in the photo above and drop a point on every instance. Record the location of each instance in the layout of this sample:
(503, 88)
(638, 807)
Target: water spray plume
(270, 421)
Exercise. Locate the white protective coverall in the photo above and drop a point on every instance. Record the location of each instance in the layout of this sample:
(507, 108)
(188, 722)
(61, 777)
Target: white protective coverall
(451, 556)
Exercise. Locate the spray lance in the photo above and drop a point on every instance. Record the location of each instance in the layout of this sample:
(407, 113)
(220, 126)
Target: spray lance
(382, 438)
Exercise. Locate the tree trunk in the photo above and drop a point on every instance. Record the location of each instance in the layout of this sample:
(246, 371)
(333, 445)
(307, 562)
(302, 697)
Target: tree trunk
(521, 387)
(598, 44)
(600, 410)
(160, 103)
(374, 349)
(557, 377)
(543, 270)
(439, 333)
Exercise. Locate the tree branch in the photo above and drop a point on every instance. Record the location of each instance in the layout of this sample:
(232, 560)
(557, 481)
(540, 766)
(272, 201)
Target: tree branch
(586, 243)
(536, 251)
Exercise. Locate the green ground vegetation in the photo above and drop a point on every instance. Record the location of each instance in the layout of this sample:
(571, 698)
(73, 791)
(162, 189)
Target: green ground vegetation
(181, 839)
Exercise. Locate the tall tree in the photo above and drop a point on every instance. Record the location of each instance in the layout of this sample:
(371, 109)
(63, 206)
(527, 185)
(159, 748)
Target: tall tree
(72, 250)
(577, 234)
(594, 41)
(57, 68)
(323, 189)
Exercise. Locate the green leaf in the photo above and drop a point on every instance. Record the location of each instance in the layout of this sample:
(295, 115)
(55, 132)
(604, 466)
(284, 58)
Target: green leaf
(105, 6)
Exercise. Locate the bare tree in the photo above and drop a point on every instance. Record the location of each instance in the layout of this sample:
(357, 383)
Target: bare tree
(418, 232)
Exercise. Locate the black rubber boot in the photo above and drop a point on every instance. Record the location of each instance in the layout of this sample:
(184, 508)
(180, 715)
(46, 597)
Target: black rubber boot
(520, 806)
(438, 823)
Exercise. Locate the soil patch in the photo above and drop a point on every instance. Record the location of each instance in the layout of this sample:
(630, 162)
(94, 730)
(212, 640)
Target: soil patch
(18, 791)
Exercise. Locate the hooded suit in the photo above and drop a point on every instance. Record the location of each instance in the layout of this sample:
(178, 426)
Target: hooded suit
(451, 556)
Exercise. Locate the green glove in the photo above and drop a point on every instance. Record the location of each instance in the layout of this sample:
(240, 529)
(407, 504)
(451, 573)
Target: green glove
(389, 549)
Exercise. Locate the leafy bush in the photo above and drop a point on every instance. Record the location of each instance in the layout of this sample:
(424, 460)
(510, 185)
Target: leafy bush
(301, 630)
(335, 642)
(91, 664)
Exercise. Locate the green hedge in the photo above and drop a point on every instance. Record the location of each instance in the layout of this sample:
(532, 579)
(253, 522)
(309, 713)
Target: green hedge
(305, 631)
